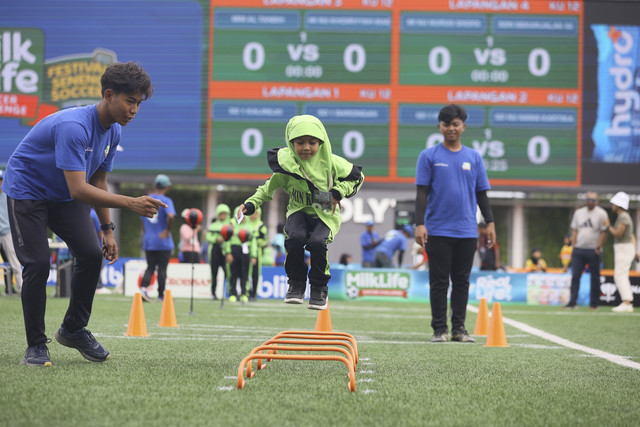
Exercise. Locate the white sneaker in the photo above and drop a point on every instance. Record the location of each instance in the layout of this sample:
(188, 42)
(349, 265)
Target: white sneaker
(623, 308)
(145, 295)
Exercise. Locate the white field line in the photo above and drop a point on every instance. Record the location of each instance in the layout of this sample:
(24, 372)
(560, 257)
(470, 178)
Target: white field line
(613, 358)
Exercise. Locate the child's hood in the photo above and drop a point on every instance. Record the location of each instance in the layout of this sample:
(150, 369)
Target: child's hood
(318, 168)
(222, 208)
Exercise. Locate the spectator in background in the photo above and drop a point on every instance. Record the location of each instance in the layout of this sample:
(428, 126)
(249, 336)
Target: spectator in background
(189, 243)
(489, 256)
(216, 240)
(6, 242)
(345, 261)
(565, 253)
(624, 250)
(258, 231)
(239, 252)
(369, 239)
(394, 241)
(157, 241)
(535, 263)
(588, 233)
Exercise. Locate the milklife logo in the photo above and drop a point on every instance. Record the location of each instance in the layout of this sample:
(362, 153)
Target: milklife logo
(382, 283)
(21, 70)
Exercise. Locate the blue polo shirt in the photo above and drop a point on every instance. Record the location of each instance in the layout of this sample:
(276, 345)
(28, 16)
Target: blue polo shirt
(455, 178)
(73, 140)
(393, 241)
(367, 239)
(156, 225)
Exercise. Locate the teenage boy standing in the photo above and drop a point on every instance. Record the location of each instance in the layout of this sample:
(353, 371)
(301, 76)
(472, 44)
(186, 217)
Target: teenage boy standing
(453, 180)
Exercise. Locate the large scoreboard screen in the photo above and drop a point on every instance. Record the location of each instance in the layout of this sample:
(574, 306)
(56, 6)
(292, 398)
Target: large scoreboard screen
(376, 72)
(551, 86)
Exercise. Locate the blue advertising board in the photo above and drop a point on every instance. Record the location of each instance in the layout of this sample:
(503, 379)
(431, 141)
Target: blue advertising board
(74, 48)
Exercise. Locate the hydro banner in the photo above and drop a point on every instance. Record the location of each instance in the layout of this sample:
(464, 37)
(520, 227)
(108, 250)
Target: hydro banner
(616, 134)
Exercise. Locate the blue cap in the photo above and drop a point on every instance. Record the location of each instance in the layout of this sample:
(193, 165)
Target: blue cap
(162, 181)
(369, 222)
(408, 229)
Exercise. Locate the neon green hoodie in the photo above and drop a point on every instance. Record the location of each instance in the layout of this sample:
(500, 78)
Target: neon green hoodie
(235, 239)
(213, 233)
(300, 178)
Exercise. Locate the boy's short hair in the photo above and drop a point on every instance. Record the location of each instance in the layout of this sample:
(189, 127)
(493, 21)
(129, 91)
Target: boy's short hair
(127, 77)
(450, 112)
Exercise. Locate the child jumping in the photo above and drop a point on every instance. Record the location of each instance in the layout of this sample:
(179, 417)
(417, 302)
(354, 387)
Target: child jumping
(316, 180)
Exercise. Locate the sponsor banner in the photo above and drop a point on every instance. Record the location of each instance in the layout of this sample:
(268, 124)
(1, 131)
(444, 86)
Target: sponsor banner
(21, 69)
(609, 292)
(371, 284)
(616, 134)
(180, 278)
(404, 285)
(111, 276)
(377, 282)
(552, 289)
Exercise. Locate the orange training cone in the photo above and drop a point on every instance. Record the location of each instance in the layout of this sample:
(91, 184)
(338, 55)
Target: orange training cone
(496, 337)
(168, 313)
(137, 325)
(482, 321)
(323, 322)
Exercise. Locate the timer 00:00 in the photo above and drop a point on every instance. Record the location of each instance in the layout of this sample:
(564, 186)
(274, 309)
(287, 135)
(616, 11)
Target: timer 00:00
(298, 71)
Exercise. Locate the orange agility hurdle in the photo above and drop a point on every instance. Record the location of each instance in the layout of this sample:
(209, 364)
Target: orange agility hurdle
(323, 336)
(289, 336)
(303, 344)
(255, 355)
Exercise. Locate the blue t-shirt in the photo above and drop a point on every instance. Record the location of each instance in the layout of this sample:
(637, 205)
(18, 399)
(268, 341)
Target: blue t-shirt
(367, 239)
(393, 241)
(73, 140)
(455, 178)
(151, 240)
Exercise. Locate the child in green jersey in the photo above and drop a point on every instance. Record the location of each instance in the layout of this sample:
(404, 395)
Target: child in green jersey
(316, 180)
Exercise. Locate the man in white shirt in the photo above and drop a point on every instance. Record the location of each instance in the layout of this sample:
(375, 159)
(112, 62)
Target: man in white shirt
(588, 233)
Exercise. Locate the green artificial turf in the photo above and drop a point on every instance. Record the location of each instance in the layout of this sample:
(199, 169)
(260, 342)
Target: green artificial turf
(187, 375)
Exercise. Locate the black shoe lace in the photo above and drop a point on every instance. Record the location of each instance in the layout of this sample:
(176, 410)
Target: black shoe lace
(86, 336)
(42, 349)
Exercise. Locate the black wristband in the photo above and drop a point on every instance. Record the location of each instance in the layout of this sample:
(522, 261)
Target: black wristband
(110, 226)
(250, 208)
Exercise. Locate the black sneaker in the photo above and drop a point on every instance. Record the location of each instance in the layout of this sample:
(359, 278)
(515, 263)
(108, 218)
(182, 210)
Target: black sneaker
(295, 294)
(84, 342)
(440, 336)
(318, 298)
(570, 307)
(38, 355)
(461, 335)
